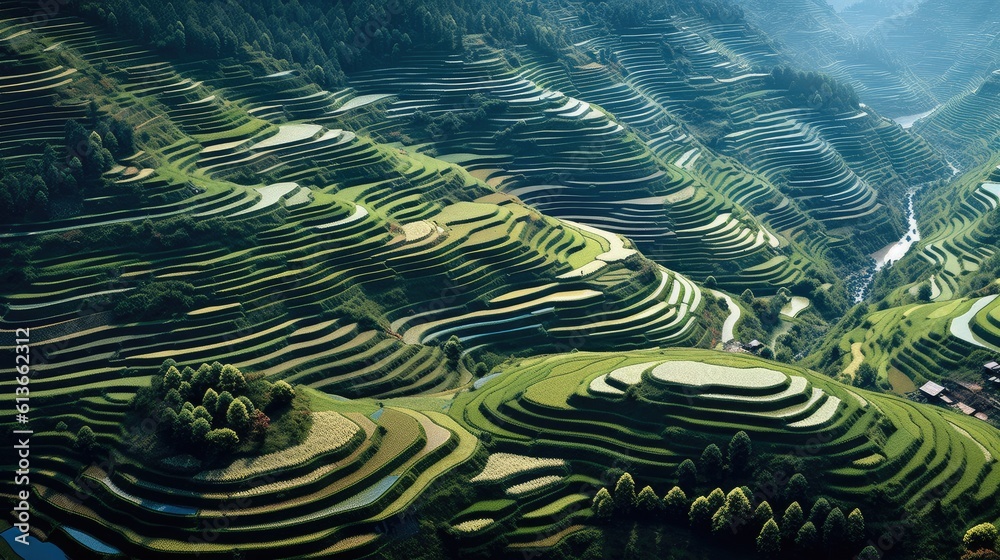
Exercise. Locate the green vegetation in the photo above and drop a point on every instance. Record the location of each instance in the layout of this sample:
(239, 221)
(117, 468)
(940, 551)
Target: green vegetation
(464, 264)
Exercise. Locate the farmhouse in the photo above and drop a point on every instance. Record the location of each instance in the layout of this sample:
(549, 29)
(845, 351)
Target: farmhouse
(932, 389)
(991, 368)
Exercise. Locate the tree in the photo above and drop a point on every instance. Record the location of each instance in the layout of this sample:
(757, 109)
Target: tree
(481, 369)
(739, 452)
(807, 537)
(171, 379)
(981, 537)
(675, 503)
(199, 429)
(711, 283)
(222, 405)
(603, 504)
(647, 501)
(869, 553)
(924, 292)
(221, 440)
(231, 379)
(735, 513)
(210, 400)
(281, 393)
(716, 499)
(624, 494)
(453, 350)
(819, 511)
(792, 520)
(747, 296)
(762, 513)
(202, 412)
(710, 463)
(866, 375)
(856, 527)
(700, 514)
(834, 530)
(86, 441)
(797, 489)
(769, 539)
(237, 417)
(687, 475)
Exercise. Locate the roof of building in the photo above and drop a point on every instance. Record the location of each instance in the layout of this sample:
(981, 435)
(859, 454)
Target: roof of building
(982, 416)
(932, 389)
(966, 409)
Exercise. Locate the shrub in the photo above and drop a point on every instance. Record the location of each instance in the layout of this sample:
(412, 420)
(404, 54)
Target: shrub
(603, 505)
(281, 393)
(86, 441)
(221, 440)
(980, 537)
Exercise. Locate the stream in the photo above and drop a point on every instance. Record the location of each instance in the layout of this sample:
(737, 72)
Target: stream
(860, 284)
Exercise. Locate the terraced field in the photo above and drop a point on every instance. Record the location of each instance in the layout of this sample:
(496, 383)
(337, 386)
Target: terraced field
(966, 127)
(957, 229)
(491, 275)
(594, 410)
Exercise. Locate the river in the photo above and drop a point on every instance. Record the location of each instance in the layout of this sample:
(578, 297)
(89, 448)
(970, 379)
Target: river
(908, 120)
(888, 254)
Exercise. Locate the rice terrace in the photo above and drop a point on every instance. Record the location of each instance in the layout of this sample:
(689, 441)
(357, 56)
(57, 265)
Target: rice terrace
(500, 279)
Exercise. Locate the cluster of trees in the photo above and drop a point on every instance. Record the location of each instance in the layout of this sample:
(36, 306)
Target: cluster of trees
(630, 13)
(208, 411)
(324, 39)
(157, 300)
(471, 113)
(735, 518)
(66, 171)
(814, 89)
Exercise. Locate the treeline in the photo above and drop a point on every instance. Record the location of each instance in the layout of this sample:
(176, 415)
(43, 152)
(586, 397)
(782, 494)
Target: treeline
(324, 39)
(66, 171)
(630, 13)
(744, 518)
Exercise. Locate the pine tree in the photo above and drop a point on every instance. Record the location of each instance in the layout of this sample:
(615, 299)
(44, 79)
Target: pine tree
(807, 537)
(710, 463)
(739, 451)
(647, 501)
(700, 514)
(769, 539)
(856, 527)
(687, 475)
(601, 509)
(675, 504)
(792, 520)
(624, 494)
